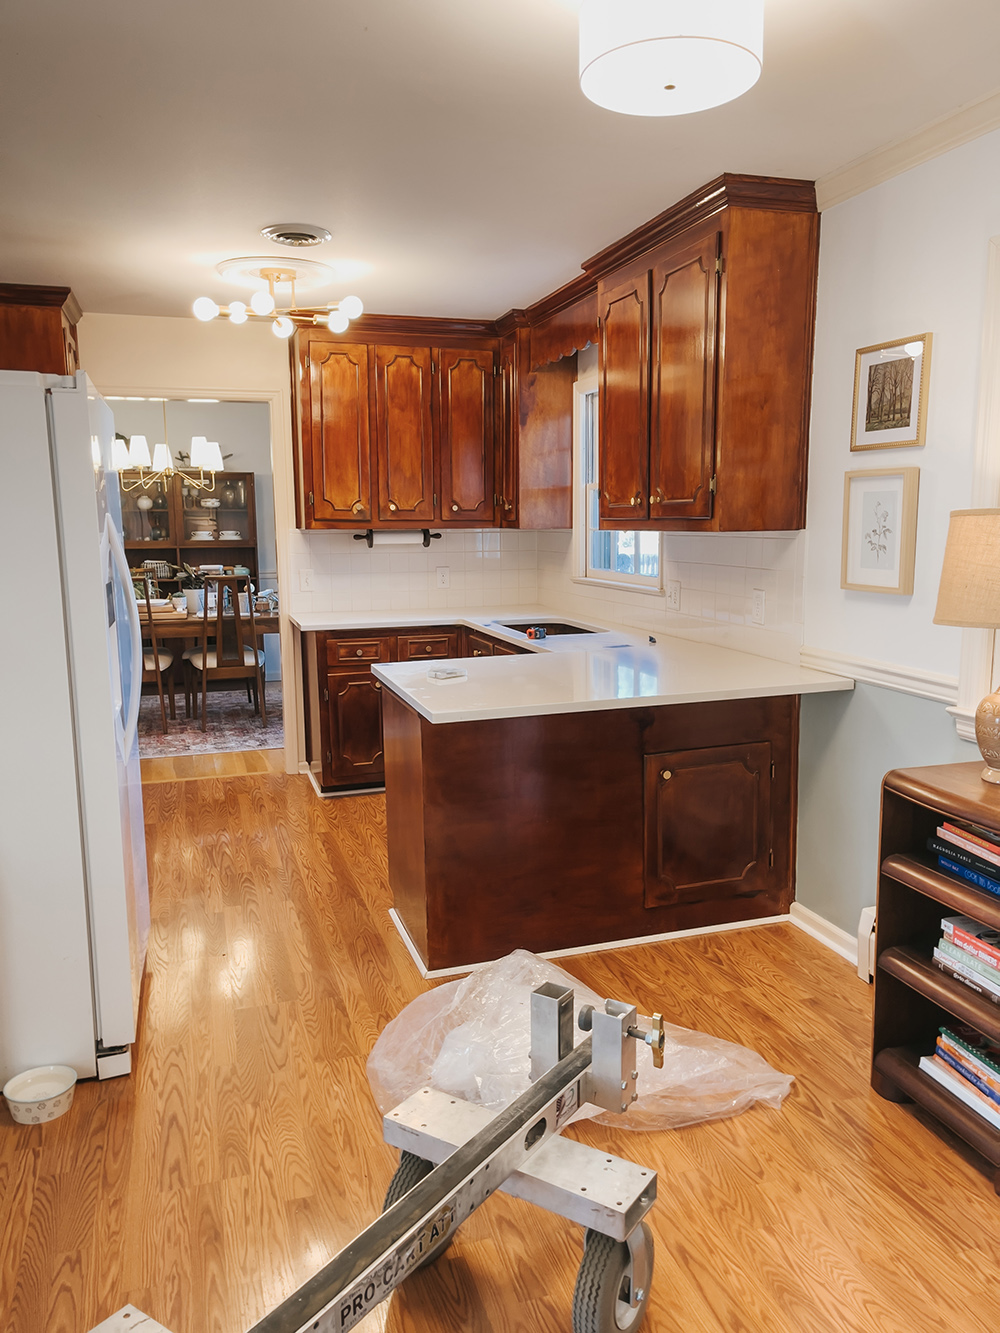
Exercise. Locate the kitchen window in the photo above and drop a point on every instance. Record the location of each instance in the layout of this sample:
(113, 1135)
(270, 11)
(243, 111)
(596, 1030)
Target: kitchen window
(625, 559)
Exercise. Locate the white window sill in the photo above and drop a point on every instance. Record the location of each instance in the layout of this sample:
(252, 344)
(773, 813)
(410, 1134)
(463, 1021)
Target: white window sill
(645, 588)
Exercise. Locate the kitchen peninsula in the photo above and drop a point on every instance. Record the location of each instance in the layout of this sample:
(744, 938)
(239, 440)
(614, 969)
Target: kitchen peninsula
(581, 788)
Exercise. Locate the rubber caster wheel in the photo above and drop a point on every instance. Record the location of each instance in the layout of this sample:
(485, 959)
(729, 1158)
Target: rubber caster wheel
(410, 1172)
(602, 1299)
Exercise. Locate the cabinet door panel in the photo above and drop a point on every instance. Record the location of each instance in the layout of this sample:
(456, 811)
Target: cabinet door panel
(623, 444)
(404, 434)
(338, 439)
(477, 645)
(508, 430)
(682, 426)
(354, 716)
(466, 435)
(708, 824)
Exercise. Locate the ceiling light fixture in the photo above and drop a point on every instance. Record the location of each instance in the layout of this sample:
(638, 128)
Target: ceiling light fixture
(269, 274)
(295, 233)
(206, 456)
(650, 58)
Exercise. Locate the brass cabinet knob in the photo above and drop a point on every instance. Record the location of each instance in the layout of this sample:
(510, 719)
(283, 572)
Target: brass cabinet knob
(455, 508)
(377, 684)
(357, 507)
(666, 775)
(476, 652)
(428, 649)
(360, 652)
(392, 506)
(632, 501)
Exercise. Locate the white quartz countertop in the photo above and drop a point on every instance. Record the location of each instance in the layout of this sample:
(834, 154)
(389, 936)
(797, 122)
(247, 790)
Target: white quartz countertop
(570, 673)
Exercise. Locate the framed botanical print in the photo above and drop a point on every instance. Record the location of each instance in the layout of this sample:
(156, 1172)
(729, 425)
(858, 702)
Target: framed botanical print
(880, 530)
(890, 393)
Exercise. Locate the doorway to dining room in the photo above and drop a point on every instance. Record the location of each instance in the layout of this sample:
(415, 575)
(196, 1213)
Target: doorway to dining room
(175, 533)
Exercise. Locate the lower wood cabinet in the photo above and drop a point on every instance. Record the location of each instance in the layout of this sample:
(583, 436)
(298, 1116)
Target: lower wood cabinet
(708, 829)
(344, 699)
(560, 831)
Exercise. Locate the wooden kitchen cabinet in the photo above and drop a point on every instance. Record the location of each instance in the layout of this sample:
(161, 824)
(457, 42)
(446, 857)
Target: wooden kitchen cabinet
(404, 436)
(395, 433)
(344, 699)
(535, 438)
(708, 830)
(580, 848)
(705, 358)
(466, 435)
(38, 329)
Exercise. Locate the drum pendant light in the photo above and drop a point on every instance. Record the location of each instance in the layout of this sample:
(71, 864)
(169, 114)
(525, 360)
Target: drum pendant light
(669, 57)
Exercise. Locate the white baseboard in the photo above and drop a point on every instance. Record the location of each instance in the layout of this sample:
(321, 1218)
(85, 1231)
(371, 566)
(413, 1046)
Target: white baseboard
(840, 941)
(633, 943)
(332, 795)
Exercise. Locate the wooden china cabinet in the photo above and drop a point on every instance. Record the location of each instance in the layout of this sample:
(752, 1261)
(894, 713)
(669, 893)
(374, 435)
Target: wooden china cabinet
(172, 522)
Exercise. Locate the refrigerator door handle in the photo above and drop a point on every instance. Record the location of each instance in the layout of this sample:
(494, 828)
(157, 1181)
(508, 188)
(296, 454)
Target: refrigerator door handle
(121, 560)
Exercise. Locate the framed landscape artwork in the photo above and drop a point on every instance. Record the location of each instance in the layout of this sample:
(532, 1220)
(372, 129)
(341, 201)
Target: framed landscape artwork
(880, 530)
(890, 393)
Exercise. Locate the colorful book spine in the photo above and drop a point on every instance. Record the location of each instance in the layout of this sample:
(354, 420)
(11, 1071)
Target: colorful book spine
(976, 877)
(964, 857)
(963, 1071)
(959, 955)
(973, 938)
(989, 848)
(979, 1071)
(942, 1073)
(967, 977)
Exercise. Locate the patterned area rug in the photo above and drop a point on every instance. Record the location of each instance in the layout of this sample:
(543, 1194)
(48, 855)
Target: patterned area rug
(230, 724)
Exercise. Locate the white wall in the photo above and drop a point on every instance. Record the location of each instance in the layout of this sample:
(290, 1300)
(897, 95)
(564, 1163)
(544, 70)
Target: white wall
(908, 256)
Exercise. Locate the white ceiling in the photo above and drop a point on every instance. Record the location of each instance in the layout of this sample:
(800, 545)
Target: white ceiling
(445, 143)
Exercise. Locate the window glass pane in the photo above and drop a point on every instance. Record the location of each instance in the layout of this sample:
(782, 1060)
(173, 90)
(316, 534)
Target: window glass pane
(622, 554)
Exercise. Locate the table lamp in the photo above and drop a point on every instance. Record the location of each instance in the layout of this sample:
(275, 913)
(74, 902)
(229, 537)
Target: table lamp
(969, 595)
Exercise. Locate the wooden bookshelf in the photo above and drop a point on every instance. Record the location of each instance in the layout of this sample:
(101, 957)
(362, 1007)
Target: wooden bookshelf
(913, 997)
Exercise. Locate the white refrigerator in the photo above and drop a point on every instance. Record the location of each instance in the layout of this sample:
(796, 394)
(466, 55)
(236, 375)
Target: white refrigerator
(74, 900)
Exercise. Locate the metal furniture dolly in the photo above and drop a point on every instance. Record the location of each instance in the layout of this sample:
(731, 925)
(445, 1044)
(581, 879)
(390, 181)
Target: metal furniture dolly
(454, 1155)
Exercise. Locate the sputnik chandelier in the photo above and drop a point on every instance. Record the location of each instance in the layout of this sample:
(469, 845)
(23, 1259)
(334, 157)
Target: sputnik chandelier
(269, 273)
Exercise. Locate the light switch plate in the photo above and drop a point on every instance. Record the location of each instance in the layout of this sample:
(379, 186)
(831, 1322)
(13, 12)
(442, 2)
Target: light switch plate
(307, 580)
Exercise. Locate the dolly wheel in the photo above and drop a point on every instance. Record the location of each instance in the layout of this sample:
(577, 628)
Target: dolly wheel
(602, 1299)
(410, 1172)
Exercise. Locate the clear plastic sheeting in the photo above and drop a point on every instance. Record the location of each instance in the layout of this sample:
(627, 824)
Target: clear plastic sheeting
(471, 1039)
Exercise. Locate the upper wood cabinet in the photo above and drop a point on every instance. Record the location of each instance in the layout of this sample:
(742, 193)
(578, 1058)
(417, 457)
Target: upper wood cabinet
(404, 446)
(705, 361)
(535, 437)
(394, 434)
(466, 433)
(38, 329)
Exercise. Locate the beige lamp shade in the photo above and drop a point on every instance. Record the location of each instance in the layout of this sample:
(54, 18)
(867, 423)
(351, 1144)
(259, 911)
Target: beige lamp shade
(969, 592)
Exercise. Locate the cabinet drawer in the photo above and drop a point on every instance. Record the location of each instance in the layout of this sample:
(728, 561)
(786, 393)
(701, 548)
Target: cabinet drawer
(344, 651)
(426, 646)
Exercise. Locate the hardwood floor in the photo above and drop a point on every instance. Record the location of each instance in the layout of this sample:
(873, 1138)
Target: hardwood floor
(246, 1149)
(234, 763)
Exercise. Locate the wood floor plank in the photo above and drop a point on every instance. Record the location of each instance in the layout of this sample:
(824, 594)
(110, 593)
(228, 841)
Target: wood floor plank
(245, 1149)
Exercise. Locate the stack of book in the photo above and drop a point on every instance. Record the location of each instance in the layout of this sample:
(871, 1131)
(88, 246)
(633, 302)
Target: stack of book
(970, 952)
(967, 1065)
(968, 853)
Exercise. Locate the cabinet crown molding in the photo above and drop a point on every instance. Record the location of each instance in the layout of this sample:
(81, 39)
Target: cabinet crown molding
(62, 298)
(726, 191)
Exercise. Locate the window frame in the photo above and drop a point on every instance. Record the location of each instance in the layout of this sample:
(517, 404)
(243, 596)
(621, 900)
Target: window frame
(585, 386)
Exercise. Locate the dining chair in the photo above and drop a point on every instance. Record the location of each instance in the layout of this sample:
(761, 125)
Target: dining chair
(154, 660)
(228, 649)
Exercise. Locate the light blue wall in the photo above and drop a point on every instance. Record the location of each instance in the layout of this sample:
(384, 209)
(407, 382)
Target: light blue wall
(849, 742)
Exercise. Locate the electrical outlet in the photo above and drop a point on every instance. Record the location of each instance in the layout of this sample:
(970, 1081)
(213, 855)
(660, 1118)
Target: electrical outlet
(307, 580)
(443, 573)
(673, 594)
(757, 607)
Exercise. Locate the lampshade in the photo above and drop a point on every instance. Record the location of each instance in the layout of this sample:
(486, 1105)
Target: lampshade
(213, 457)
(669, 57)
(969, 592)
(162, 459)
(120, 460)
(198, 447)
(138, 451)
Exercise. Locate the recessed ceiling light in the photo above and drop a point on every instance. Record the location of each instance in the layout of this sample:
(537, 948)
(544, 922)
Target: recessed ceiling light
(295, 233)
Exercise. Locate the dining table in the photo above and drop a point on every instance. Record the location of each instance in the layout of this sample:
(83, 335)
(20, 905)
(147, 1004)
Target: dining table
(177, 626)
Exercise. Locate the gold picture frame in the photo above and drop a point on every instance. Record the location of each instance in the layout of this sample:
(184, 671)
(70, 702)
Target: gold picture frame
(890, 394)
(878, 549)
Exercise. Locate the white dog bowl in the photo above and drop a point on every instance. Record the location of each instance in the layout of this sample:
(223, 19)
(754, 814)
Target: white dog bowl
(40, 1094)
